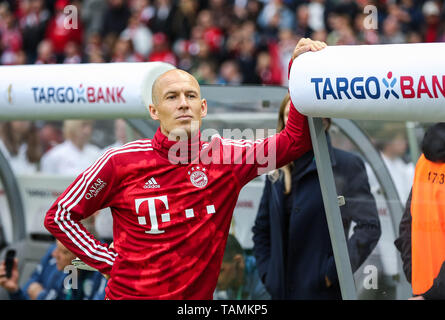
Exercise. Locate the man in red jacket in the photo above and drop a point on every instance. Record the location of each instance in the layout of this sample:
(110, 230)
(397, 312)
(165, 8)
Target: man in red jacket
(171, 210)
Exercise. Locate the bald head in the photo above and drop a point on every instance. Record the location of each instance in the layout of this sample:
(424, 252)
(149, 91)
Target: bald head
(168, 77)
(177, 103)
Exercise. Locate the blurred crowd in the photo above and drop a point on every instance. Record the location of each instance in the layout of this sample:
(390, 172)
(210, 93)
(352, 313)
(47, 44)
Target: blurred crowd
(218, 41)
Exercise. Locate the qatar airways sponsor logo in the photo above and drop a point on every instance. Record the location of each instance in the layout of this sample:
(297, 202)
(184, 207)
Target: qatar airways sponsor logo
(373, 87)
(81, 94)
(95, 188)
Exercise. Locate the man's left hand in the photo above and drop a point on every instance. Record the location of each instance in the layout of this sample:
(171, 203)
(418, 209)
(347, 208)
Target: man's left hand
(305, 45)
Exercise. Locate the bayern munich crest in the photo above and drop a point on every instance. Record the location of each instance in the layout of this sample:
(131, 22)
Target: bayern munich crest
(198, 177)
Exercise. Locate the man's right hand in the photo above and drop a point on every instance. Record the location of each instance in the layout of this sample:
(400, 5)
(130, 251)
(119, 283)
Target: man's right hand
(11, 284)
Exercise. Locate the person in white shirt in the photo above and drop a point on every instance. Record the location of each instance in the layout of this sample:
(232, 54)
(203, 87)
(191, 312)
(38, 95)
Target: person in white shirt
(74, 155)
(120, 133)
(393, 145)
(20, 145)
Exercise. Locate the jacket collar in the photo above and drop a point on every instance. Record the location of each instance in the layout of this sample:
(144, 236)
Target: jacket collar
(177, 151)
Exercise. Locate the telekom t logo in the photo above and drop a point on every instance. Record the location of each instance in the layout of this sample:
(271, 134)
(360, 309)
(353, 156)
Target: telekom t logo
(165, 217)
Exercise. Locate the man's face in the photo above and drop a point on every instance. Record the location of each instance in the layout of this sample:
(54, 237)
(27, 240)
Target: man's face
(226, 276)
(62, 255)
(398, 145)
(83, 132)
(177, 103)
(231, 274)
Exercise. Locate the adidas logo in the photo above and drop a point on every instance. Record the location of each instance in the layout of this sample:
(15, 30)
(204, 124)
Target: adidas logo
(151, 184)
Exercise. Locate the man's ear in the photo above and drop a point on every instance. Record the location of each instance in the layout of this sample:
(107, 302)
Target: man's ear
(203, 108)
(153, 112)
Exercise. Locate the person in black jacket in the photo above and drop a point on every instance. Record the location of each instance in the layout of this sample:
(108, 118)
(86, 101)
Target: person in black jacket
(433, 148)
(292, 245)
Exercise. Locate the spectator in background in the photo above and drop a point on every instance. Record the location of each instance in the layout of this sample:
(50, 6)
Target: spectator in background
(75, 154)
(10, 36)
(206, 72)
(93, 51)
(238, 278)
(222, 12)
(286, 42)
(302, 21)
(253, 8)
(230, 73)
(120, 134)
(212, 34)
(187, 53)
(33, 22)
(391, 31)
(50, 136)
(250, 30)
(115, 21)
(431, 14)
(320, 35)
(20, 58)
(240, 9)
(235, 36)
(93, 16)
(247, 60)
(267, 70)
(413, 37)
(71, 53)
(275, 16)
(391, 141)
(21, 146)
(191, 52)
(145, 10)
(365, 35)
(204, 51)
(409, 14)
(316, 12)
(45, 53)
(342, 32)
(59, 34)
(161, 50)
(140, 36)
(184, 19)
(123, 51)
(115, 18)
(162, 17)
(291, 239)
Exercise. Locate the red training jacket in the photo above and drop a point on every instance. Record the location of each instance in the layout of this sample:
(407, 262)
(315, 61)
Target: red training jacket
(170, 220)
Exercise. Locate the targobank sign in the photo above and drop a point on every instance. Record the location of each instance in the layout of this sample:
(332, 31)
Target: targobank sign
(81, 94)
(392, 82)
(373, 87)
